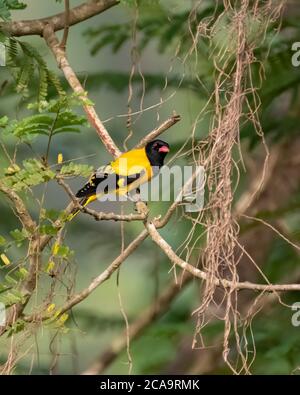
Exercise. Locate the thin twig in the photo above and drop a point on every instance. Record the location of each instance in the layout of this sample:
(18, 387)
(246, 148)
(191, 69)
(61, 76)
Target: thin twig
(296, 246)
(105, 275)
(99, 216)
(158, 131)
(63, 42)
(51, 135)
(175, 259)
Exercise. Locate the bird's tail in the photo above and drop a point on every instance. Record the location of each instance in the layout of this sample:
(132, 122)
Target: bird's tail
(83, 202)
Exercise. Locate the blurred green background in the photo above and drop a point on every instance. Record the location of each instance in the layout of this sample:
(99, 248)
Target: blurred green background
(97, 321)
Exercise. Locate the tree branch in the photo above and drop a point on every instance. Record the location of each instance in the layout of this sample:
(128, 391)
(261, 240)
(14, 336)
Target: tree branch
(174, 258)
(100, 216)
(21, 210)
(63, 42)
(29, 284)
(47, 28)
(77, 15)
(105, 275)
(75, 84)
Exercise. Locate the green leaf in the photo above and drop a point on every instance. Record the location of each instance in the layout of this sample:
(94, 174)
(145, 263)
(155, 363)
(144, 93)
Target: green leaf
(3, 121)
(55, 117)
(24, 77)
(11, 297)
(33, 173)
(51, 214)
(11, 280)
(7, 5)
(15, 5)
(26, 66)
(48, 230)
(16, 328)
(63, 251)
(73, 169)
(4, 288)
(21, 274)
(19, 236)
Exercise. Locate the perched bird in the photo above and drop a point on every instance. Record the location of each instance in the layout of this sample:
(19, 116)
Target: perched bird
(125, 174)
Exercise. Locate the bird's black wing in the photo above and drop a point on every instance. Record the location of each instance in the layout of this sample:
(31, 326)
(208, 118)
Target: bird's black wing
(96, 178)
(112, 180)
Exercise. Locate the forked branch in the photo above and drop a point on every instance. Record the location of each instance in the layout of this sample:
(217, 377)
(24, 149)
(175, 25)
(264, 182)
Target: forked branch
(76, 15)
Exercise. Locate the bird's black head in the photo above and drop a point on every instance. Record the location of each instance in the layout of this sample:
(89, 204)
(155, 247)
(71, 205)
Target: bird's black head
(156, 151)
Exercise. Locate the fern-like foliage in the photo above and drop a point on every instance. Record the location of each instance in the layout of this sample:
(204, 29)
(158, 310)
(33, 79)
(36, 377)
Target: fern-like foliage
(162, 27)
(9, 292)
(32, 173)
(26, 64)
(7, 5)
(75, 169)
(53, 118)
(118, 81)
(272, 73)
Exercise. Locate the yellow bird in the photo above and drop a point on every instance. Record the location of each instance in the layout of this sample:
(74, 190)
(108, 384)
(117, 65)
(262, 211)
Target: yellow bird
(125, 174)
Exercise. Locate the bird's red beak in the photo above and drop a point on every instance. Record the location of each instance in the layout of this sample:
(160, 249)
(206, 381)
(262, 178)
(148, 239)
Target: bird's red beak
(164, 148)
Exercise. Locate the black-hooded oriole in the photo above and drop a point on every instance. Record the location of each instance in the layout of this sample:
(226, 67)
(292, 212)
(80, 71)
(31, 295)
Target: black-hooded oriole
(125, 174)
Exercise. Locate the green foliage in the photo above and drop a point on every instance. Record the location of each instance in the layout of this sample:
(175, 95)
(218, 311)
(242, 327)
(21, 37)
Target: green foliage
(11, 297)
(33, 173)
(3, 121)
(7, 5)
(49, 230)
(74, 169)
(26, 64)
(117, 35)
(9, 292)
(118, 81)
(167, 29)
(51, 214)
(63, 251)
(19, 236)
(16, 327)
(277, 343)
(281, 252)
(54, 118)
(155, 24)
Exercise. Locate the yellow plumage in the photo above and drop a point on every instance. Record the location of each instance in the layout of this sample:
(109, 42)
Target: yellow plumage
(124, 174)
(134, 162)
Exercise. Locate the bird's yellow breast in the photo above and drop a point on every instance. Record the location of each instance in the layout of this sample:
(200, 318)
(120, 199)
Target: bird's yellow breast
(132, 162)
